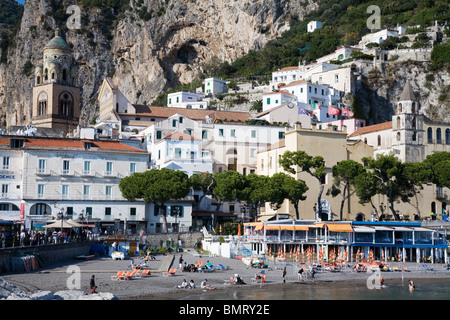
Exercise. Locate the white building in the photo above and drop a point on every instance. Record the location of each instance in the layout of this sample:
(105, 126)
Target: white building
(181, 151)
(313, 25)
(377, 37)
(186, 100)
(342, 53)
(43, 176)
(215, 86)
(302, 72)
(313, 94)
(341, 79)
(276, 98)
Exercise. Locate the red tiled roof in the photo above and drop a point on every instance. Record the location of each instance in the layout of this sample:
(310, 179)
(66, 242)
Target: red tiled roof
(373, 128)
(99, 145)
(194, 114)
(289, 68)
(180, 136)
(294, 83)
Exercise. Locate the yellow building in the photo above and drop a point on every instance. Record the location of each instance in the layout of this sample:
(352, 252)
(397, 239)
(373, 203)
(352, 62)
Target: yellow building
(333, 146)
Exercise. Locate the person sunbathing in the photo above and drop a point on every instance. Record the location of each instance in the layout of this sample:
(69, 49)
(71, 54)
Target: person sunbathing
(204, 285)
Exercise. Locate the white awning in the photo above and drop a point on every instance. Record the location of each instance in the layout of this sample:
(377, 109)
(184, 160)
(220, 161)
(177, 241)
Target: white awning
(423, 229)
(403, 229)
(383, 229)
(363, 229)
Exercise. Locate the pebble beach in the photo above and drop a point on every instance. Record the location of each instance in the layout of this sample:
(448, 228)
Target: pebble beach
(162, 287)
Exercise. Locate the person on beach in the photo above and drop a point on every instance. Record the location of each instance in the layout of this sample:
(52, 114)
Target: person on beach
(300, 275)
(93, 289)
(411, 285)
(313, 272)
(92, 282)
(191, 284)
(184, 285)
(284, 275)
(204, 285)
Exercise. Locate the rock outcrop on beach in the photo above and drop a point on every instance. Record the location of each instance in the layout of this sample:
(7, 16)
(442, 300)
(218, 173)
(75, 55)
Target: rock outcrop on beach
(9, 291)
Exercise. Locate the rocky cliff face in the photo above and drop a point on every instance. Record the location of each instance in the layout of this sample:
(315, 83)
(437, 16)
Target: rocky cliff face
(147, 47)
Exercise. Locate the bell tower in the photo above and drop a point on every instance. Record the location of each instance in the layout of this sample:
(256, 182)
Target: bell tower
(56, 98)
(407, 128)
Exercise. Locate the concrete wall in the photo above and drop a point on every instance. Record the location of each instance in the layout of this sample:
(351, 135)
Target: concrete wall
(46, 254)
(188, 239)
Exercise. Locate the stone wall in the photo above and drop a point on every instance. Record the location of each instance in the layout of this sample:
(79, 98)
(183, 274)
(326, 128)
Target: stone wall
(46, 254)
(188, 239)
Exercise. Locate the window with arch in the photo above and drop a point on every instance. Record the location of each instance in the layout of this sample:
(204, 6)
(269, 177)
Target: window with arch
(447, 136)
(413, 107)
(398, 136)
(430, 135)
(38, 80)
(379, 140)
(438, 135)
(413, 122)
(66, 104)
(414, 136)
(400, 108)
(42, 104)
(53, 75)
(398, 123)
(64, 75)
(46, 74)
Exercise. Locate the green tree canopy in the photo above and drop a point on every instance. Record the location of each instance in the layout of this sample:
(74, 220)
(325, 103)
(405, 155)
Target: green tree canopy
(157, 186)
(300, 161)
(344, 175)
(292, 189)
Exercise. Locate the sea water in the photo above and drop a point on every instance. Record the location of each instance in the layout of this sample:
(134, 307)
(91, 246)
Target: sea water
(394, 291)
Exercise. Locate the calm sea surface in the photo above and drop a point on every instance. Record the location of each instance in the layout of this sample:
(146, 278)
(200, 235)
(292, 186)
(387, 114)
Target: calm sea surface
(394, 291)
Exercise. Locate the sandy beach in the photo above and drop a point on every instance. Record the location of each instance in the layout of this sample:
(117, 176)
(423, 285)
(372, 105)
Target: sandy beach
(159, 287)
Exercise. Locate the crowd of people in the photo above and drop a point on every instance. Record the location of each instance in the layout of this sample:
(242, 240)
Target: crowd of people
(36, 237)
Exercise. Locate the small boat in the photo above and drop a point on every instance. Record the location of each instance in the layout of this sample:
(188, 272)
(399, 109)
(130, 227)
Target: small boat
(83, 257)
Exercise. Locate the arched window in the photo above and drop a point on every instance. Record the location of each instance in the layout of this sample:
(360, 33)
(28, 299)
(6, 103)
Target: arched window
(42, 104)
(414, 136)
(38, 80)
(379, 140)
(438, 135)
(53, 75)
(413, 107)
(66, 104)
(46, 75)
(398, 123)
(413, 123)
(64, 75)
(399, 108)
(430, 135)
(447, 136)
(398, 136)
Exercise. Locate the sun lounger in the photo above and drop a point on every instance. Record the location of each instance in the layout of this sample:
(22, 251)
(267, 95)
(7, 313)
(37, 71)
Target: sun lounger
(169, 273)
(118, 276)
(127, 276)
(146, 273)
(137, 273)
(427, 267)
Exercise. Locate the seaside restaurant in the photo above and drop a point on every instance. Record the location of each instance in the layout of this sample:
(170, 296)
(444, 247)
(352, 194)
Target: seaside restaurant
(304, 240)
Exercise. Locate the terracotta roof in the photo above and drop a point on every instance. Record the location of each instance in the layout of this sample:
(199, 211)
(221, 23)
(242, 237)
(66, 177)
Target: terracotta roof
(373, 128)
(194, 114)
(289, 68)
(294, 83)
(276, 145)
(97, 145)
(275, 92)
(180, 136)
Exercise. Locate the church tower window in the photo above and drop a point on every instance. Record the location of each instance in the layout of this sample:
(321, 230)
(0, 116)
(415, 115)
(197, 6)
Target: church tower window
(64, 75)
(66, 104)
(42, 104)
(46, 75)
